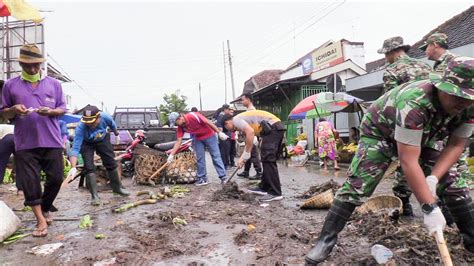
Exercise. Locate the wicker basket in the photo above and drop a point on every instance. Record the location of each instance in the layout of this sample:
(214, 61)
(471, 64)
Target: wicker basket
(319, 201)
(345, 156)
(381, 202)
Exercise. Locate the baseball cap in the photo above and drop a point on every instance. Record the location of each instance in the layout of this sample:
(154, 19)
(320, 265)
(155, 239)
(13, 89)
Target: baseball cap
(439, 38)
(90, 114)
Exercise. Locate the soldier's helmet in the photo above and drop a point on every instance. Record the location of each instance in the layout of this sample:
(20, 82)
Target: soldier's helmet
(457, 79)
(393, 43)
(439, 38)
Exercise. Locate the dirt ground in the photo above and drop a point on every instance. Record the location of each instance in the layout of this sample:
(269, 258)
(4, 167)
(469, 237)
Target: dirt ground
(220, 230)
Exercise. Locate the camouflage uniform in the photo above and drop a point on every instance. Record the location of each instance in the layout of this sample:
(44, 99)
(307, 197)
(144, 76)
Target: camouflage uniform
(403, 70)
(442, 40)
(441, 64)
(409, 107)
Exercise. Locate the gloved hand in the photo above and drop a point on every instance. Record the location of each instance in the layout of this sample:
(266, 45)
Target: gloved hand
(72, 173)
(432, 181)
(255, 140)
(222, 136)
(435, 221)
(117, 140)
(245, 156)
(170, 158)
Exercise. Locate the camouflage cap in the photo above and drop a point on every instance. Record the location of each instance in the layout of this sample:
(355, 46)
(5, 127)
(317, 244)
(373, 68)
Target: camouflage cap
(391, 44)
(458, 78)
(439, 38)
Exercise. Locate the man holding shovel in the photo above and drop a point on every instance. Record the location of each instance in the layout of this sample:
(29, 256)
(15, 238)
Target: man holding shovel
(92, 136)
(403, 122)
(269, 127)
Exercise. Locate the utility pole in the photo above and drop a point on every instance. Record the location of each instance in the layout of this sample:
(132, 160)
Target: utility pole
(200, 98)
(225, 73)
(231, 71)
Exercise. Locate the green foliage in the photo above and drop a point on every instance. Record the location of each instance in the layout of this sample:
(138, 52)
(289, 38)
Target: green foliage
(174, 102)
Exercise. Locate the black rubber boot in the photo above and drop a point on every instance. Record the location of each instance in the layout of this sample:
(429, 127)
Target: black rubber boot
(335, 221)
(244, 174)
(446, 213)
(407, 209)
(116, 184)
(91, 183)
(463, 214)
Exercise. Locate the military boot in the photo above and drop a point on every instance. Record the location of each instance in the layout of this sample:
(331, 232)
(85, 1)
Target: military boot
(116, 184)
(244, 174)
(335, 221)
(446, 213)
(407, 209)
(91, 183)
(463, 214)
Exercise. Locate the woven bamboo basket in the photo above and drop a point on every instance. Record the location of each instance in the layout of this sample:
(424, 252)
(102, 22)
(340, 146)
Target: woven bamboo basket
(381, 202)
(391, 169)
(319, 201)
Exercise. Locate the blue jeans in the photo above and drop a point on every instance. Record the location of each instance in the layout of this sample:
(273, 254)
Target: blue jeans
(212, 146)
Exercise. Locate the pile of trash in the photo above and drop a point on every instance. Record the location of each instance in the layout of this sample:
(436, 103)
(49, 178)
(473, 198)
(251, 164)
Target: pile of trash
(315, 190)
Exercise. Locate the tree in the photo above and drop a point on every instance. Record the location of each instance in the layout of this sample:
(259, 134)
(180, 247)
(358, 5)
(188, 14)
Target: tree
(174, 102)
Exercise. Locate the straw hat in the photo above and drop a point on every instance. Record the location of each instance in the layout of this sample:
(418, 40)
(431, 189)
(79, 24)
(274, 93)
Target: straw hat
(30, 54)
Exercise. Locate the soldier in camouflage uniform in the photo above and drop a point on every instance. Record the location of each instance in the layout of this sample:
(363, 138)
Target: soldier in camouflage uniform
(401, 69)
(436, 49)
(401, 124)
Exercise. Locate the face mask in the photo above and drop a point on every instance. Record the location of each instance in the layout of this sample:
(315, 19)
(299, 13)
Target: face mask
(30, 78)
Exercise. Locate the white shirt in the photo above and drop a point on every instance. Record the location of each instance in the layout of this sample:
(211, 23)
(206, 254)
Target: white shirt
(5, 130)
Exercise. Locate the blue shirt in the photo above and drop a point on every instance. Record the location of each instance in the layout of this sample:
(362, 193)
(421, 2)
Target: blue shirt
(63, 127)
(92, 135)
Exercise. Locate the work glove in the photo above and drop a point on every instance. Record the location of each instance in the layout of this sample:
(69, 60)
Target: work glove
(170, 158)
(255, 140)
(243, 158)
(432, 181)
(222, 136)
(72, 173)
(435, 221)
(117, 140)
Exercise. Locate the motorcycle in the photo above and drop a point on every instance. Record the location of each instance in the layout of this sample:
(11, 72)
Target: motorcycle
(126, 159)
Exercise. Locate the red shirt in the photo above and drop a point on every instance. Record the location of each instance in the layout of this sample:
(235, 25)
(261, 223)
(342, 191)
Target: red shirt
(196, 126)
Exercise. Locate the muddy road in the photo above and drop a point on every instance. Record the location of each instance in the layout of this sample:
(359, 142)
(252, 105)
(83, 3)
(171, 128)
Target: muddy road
(219, 231)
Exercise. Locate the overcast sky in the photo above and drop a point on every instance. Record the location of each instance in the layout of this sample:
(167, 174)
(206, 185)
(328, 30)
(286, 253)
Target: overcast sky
(129, 53)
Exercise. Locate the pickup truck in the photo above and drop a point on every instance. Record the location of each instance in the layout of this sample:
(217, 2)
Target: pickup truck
(132, 119)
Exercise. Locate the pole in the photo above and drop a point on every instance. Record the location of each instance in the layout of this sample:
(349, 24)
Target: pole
(231, 70)
(225, 74)
(200, 97)
(7, 47)
(334, 97)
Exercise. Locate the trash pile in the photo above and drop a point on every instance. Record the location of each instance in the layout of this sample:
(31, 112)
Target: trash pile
(315, 190)
(231, 191)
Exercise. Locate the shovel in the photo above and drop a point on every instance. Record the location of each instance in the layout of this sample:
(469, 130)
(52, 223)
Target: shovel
(443, 248)
(230, 178)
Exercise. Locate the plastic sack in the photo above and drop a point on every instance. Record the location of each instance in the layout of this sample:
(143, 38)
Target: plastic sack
(9, 222)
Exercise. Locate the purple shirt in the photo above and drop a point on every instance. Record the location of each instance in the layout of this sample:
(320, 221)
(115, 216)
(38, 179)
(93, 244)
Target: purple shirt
(33, 130)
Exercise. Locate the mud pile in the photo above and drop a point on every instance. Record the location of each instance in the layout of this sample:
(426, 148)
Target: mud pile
(231, 191)
(313, 190)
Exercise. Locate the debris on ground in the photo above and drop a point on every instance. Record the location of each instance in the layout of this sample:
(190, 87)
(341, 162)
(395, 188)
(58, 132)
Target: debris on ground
(410, 242)
(106, 262)
(179, 222)
(15, 237)
(314, 190)
(381, 253)
(231, 191)
(45, 250)
(86, 222)
(99, 236)
(131, 205)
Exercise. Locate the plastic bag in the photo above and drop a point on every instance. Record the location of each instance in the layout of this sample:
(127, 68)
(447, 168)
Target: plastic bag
(9, 222)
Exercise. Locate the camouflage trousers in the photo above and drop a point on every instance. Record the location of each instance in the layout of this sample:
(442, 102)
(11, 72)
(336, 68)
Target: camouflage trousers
(372, 159)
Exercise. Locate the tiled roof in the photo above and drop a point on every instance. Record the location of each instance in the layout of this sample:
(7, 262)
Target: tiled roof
(460, 31)
(261, 80)
(375, 65)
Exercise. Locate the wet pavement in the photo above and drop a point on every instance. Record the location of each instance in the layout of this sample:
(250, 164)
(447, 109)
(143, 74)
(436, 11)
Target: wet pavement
(217, 233)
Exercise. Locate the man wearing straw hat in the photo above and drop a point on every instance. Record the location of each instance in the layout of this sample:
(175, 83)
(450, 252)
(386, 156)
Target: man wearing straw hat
(92, 135)
(401, 124)
(34, 102)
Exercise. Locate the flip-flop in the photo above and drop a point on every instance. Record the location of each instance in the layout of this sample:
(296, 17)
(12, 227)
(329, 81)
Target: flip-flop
(40, 232)
(49, 219)
(337, 168)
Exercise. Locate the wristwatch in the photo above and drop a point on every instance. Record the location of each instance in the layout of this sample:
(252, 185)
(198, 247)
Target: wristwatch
(427, 208)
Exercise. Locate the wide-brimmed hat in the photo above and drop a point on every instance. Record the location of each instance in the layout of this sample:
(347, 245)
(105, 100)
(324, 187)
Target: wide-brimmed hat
(457, 79)
(30, 54)
(393, 43)
(90, 114)
(439, 38)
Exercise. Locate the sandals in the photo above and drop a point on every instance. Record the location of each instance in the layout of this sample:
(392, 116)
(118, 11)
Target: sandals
(49, 219)
(40, 232)
(337, 168)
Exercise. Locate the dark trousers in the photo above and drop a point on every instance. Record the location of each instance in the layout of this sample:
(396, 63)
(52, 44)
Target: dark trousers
(255, 160)
(269, 151)
(232, 151)
(224, 147)
(104, 149)
(7, 148)
(29, 164)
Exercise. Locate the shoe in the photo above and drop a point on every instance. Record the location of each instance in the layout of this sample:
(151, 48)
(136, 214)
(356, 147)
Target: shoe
(228, 167)
(257, 191)
(337, 217)
(201, 182)
(407, 209)
(243, 174)
(91, 183)
(463, 214)
(270, 197)
(116, 184)
(257, 176)
(223, 180)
